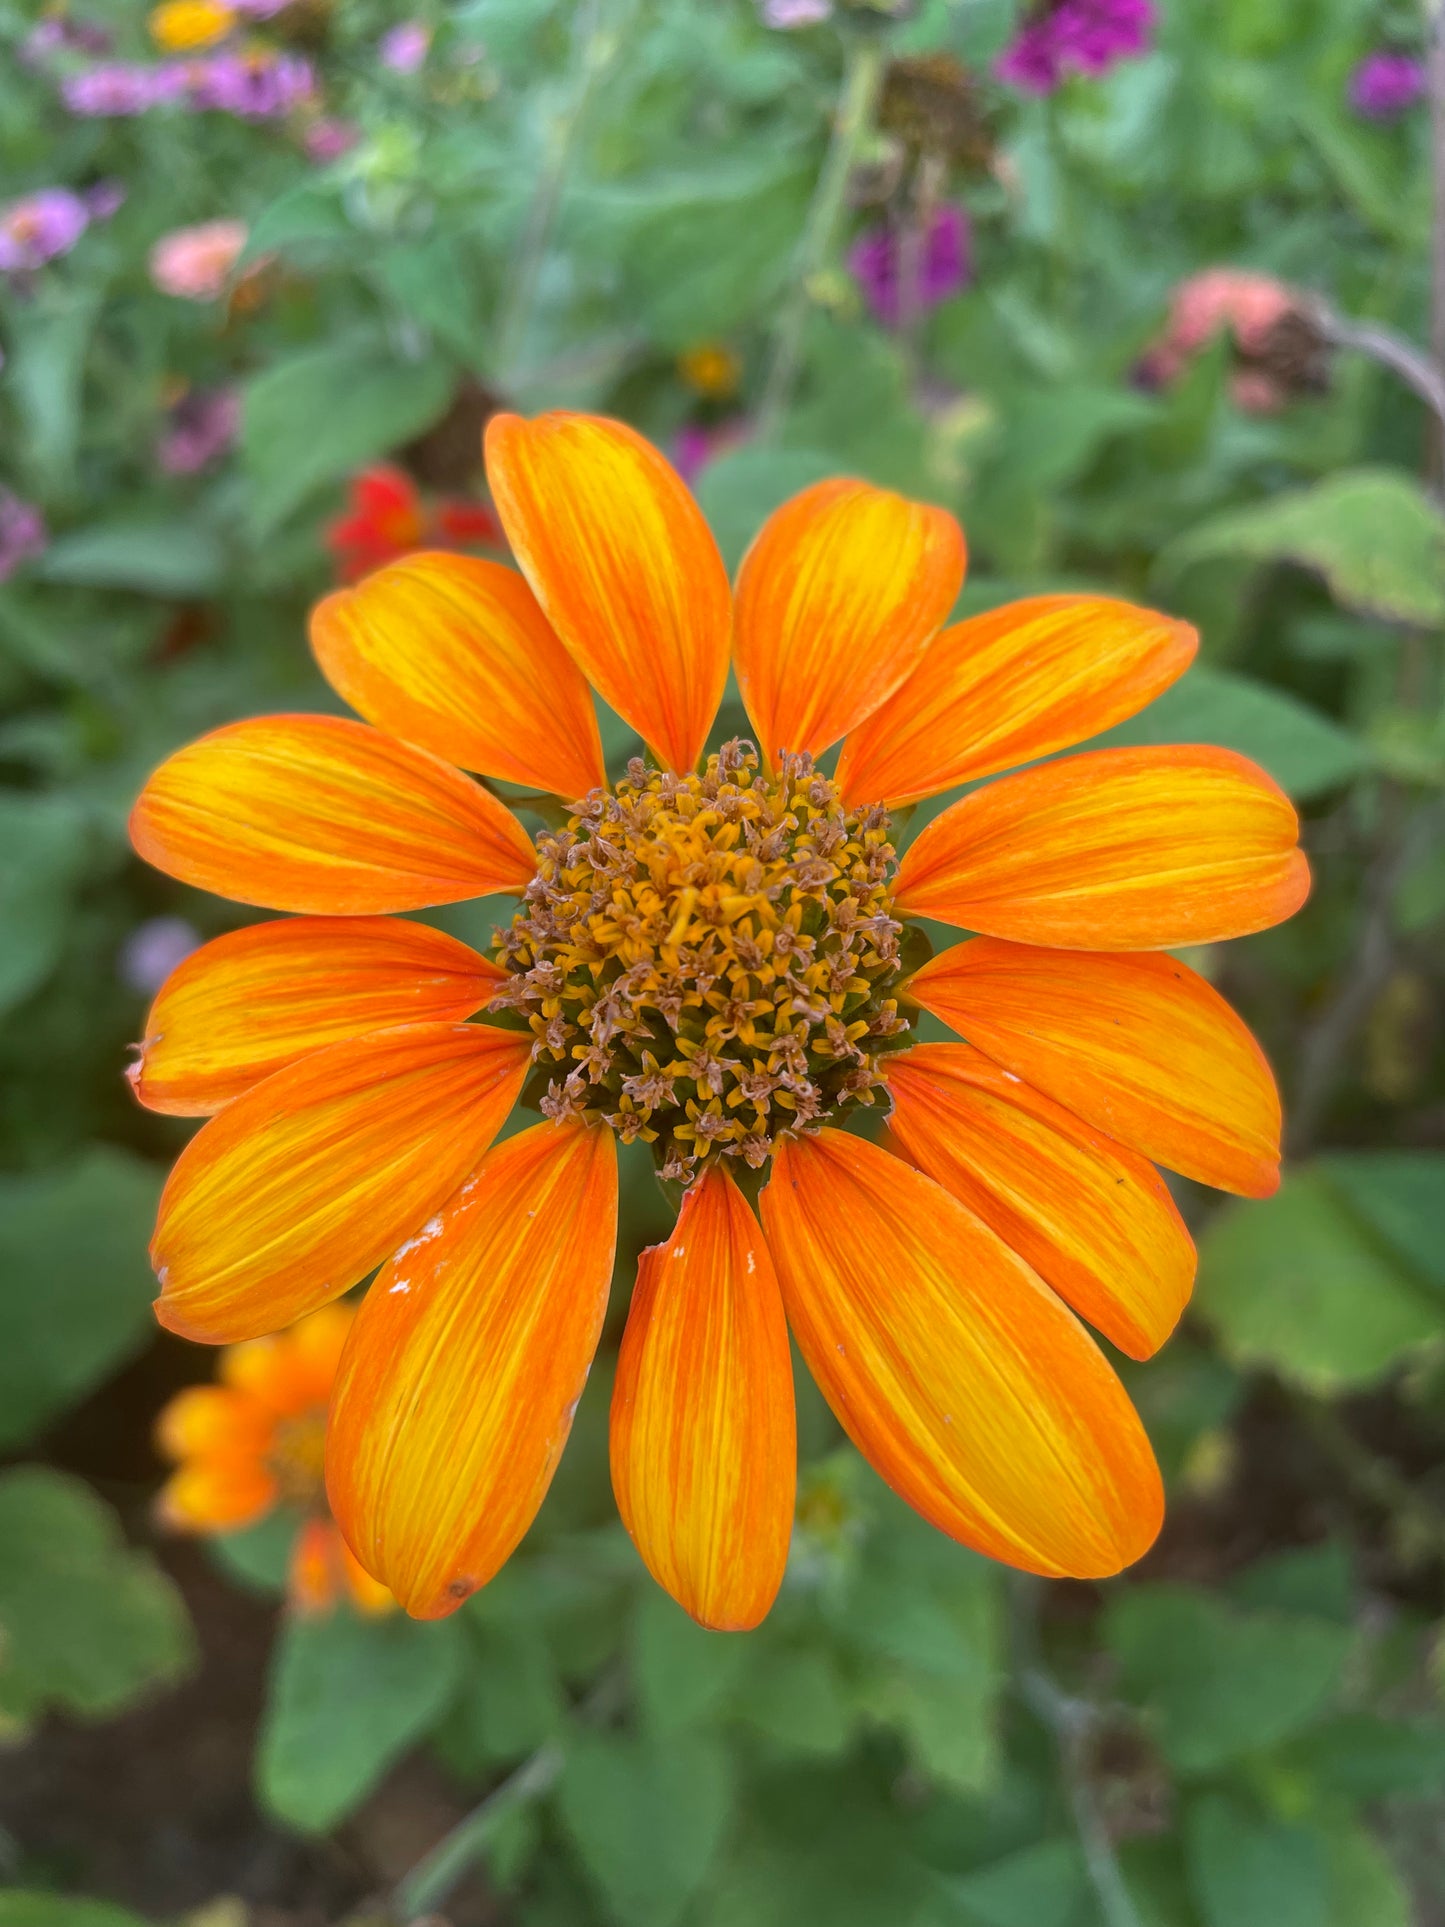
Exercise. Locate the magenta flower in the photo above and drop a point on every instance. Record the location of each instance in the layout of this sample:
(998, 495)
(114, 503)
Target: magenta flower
(697, 443)
(786, 15)
(328, 140)
(153, 950)
(945, 265)
(199, 429)
(1075, 36)
(104, 199)
(1386, 85)
(39, 227)
(257, 85)
(116, 90)
(22, 533)
(405, 47)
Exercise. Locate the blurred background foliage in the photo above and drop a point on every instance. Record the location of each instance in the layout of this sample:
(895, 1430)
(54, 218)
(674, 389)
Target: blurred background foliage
(628, 206)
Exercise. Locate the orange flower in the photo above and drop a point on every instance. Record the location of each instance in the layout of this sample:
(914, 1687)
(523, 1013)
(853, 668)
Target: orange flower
(254, 1442)
(711, 959)
(386, 518)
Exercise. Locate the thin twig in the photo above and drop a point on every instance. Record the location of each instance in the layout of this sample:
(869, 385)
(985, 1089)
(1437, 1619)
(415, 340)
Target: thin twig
(1391, 350)
(862, 76)
(432, 1879)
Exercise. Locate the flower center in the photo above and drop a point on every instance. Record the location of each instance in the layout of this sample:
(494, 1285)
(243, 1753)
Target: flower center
(297, 1456)
(706, 961)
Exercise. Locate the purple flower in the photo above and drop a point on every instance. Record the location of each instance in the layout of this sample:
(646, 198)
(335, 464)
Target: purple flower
(696, 444)
(119, 89)
(153, 950)
(57, 35)
(22, 533)
(944, 266)
(1386, 85)
(34, 230)
(328, 140)
(253, 86)
(258, 9)
(786, 15)
(1075, 36)
(405, 47)
(201, 427)
(104, 199)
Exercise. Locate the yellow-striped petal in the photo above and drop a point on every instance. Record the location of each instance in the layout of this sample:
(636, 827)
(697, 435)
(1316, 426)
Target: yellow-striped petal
(468, 1357)
(454, 654)
(959, 1376)
(704, 1440)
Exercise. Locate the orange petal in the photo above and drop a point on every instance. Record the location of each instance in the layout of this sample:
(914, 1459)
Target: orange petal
(704, 1440)
(962, 1379)
(213, 1421)
(624, 565)
(216, 1495)
(1007, 687)
(1139, 1046)
(315, 813)
(454, 654)
(1095, 1221)
(838, 597)
(256, 1000)
(293, 1192)
(457, 1390)
(1117, 849)
(368, 1595)
(291, 1372)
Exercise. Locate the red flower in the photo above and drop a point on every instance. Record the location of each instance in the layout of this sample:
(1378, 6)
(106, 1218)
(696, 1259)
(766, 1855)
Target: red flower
(387, 517)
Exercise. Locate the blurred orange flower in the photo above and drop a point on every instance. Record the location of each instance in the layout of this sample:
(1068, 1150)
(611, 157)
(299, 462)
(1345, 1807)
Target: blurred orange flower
(195, 263)
(180, 26)
(254, 1443)
(387, 517)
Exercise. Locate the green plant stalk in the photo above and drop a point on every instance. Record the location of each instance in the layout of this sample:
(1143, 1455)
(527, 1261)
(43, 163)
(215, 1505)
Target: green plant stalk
(862, 77)
(431, 1880)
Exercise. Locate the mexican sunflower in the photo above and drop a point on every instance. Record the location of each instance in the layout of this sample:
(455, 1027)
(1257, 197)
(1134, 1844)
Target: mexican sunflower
(254, 1443)
(711, 957)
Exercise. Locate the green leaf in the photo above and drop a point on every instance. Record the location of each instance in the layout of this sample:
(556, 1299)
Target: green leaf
(511, 1701)
(20, 1907)
(258, 1557)
(49, 346)
(173, 559)
(347, 1696)
(1248, 1872)
(1302, 750)
(1365, 1890)
(1042, 1886)
(1317, 1582)
(77, 1289)
(1364, 1756)
(86, 1623)
(797, 1697)
(1294, 1283)
(682, 1671)
(43, 848)
(1218, 1683)
(322, 414)
(648, 1818)
(740, 490)
(1401, 1196)
(1373, 534)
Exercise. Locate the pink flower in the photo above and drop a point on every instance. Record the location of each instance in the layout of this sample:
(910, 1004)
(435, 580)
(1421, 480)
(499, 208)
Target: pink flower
(944, 266)
(40, 226)
(22, 533)
(1386, 85)
(195, 263)
(200, 428)
(786, 15)
(405, 47)
(1250, 307)
(328, 140)
(113, 91)
(1075, 36)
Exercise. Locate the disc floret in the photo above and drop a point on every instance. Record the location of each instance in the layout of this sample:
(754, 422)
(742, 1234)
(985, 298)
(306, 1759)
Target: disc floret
(706, 962)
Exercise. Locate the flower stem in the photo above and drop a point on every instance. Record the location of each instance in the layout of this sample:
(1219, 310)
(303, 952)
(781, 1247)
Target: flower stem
(431, 1880)
(862, 75)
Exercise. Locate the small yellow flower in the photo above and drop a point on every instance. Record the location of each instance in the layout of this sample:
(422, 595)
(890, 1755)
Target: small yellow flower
(179, 26)
(711, 369)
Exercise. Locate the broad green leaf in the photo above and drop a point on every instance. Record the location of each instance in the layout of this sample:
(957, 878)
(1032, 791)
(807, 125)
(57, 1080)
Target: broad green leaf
(43, 849)
(323, 413)
(48, 351)
(511, 1700)
(1042, 1886)
(1365, 1890)
(1296, 1284)
(1401, 1196)
(258, 1557)
(798, 1698)
(26, 1907)
(1302, 750)
(682, 1671)
(87, 1624)
(1373, 534)
(347, 1696)
(1245, 1871)
(75, 1286)
(1318, 1582)
(648, 1819)
(169, 559)
(1216, 1682)
(1364, 1756)
(740, 490)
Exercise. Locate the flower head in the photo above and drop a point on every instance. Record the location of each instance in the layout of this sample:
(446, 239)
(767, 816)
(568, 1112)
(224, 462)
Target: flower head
(786, 16)
(712, 956)
(1075, 36)
(1386, 85)
(196, 263)
(39, 227)
(253, 1444)
(387, 517)
(181, 26)
(22, 533)
(404, 47)
(943, 266)
(257, 84)
(200, 428)
(711, 370)
(327, 139)
(1276, 349)
(57, 33)
(117, 90)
